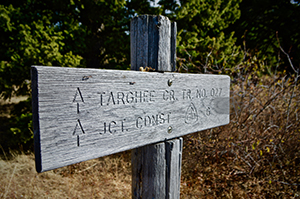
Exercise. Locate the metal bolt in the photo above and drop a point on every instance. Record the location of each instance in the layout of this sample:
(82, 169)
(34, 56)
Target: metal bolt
(169, 129)
(170, 82)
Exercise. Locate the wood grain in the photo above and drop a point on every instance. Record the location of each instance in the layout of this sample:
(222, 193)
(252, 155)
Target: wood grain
(153, 43)
(156, 168)
(80, 114)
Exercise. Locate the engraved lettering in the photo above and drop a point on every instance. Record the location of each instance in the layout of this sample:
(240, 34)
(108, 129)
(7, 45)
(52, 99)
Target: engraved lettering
(213, 92)
(111, 98)
(172, 95)
(208, 111)
(129, 97)
(186, 94)
(152, 95)
(169, 95)
(149, 120)
(152, 120)
(110, 127)
(200, 93)
(120, 97)
(161, 118)
(114, 127)
(101, 97)
(136, 96)
(122, 127)
(145, 95)
(216, 92)
(104, 128)
(139, 124)
(164, 95)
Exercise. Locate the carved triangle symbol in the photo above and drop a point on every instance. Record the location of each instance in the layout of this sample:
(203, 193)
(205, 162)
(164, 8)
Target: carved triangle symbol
(191, 115)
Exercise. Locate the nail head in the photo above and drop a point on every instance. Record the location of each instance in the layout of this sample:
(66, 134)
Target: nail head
(170, 129)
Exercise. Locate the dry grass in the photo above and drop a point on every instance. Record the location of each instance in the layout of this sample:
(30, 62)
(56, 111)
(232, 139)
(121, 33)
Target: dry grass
(256, 156)
(107, 177)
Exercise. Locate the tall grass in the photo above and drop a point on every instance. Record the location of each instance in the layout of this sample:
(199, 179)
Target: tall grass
(257, 155)
(107, 177)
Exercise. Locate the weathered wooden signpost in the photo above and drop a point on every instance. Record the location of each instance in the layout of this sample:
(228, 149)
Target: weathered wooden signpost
(81, 114)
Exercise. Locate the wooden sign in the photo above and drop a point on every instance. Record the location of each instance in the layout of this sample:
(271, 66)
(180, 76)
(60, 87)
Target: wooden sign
(81, 114)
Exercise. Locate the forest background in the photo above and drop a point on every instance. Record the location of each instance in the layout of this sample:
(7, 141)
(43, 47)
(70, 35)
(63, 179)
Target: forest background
(256, 42)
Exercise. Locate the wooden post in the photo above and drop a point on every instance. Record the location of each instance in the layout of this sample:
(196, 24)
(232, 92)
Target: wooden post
(81, 114)
(156, 168)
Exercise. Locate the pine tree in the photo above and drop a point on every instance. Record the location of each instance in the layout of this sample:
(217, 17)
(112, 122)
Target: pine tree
(263, 23)
(202, 40)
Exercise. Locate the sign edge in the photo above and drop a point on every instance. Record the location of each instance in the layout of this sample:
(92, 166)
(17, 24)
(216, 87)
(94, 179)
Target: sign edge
(35, 119)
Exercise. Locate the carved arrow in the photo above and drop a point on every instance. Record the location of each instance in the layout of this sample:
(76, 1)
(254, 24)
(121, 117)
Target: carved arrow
(78, 92)
(75, 132)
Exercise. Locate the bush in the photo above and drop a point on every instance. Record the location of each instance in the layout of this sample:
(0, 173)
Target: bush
(258, 153)
(16, 133)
